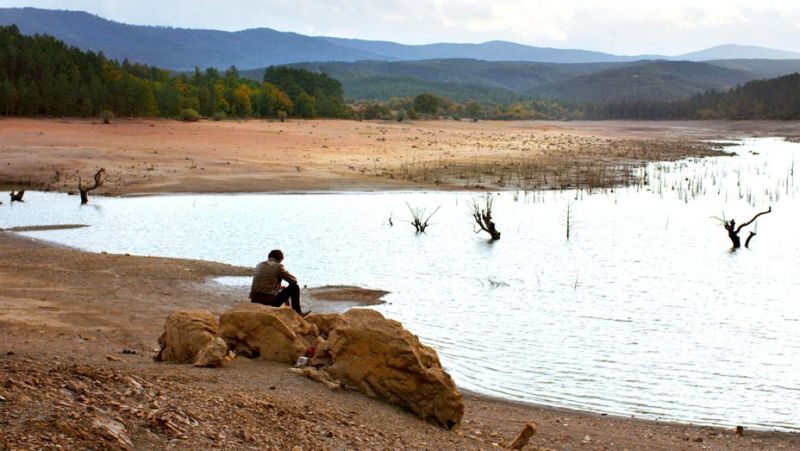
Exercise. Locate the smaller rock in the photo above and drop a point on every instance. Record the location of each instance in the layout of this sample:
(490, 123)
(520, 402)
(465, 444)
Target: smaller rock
(317, 375)
(524, 436)
(739, 430)
(186, 333)
(22, 398)
(113, 358)
(113, 430)
(133, 383)
(213, 354)
(245, 436)
(325, 322)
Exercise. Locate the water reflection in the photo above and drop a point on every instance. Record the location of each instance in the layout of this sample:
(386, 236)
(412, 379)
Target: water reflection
(642, 311)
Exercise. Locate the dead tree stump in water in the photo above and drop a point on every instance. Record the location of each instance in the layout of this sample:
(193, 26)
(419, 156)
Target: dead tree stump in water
(98, 181)
(733, 230)
(483, 217)
(419, 221)
(17, 197)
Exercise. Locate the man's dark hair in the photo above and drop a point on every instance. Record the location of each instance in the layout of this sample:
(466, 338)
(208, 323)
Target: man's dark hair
(276, 254)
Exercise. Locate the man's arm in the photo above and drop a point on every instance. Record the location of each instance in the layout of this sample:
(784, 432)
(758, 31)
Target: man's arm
(286, 275)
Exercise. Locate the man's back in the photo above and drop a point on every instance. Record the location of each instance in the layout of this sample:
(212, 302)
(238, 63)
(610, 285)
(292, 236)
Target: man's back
(268, 276)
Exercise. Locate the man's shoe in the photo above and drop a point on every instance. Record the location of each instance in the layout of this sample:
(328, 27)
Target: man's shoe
(306, 313)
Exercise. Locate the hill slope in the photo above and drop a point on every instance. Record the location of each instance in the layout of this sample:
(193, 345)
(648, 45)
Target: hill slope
(503, 82)
(760, 68)
(458, 79)
(488, 51)
(734, 51)
(776, 98)
(648, 81)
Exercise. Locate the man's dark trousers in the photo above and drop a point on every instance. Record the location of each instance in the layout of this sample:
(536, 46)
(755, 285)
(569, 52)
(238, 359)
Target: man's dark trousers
(291, 292)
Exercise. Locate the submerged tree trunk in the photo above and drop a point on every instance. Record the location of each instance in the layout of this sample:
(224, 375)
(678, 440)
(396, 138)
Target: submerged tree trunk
(483, 218)
(750, 237)
(17, 197)
(733, 230)
(84, 190)
(419, 220)
(732, 234)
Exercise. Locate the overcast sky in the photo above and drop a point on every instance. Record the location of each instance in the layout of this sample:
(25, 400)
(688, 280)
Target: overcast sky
(620, 26)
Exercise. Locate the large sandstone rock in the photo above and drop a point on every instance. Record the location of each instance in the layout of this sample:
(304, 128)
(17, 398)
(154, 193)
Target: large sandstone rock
(360, 349)
(381, 359)
(186, 333)
(277, 334)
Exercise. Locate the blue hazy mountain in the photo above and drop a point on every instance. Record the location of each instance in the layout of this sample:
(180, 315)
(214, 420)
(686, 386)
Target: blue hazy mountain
(183, 49)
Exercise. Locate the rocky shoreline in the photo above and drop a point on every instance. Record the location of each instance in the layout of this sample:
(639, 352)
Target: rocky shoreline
(359, 350)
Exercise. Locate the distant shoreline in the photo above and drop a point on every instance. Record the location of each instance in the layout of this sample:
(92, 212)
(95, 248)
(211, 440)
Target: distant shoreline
(146, 156)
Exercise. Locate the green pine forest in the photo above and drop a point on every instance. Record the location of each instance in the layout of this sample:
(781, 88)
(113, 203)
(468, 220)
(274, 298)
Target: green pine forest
(41, 76)
(775, 99)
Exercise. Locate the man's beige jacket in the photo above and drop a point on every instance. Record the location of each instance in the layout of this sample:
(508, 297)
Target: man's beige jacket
(268, 276)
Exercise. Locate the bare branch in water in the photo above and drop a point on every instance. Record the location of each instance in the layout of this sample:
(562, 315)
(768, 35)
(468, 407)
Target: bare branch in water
(98, 181)
(419, 220)
(482, 214)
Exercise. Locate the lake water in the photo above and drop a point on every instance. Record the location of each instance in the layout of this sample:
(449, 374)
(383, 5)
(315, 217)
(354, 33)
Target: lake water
(644, 310)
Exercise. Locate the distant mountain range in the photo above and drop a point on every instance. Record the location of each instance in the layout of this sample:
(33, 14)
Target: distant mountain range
(183, 49)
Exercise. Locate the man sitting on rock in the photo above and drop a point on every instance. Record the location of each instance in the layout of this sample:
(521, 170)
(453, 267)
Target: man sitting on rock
(266, 288)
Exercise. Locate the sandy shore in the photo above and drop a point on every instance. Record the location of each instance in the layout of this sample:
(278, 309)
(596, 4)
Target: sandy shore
(69, 317)
(146, 156)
